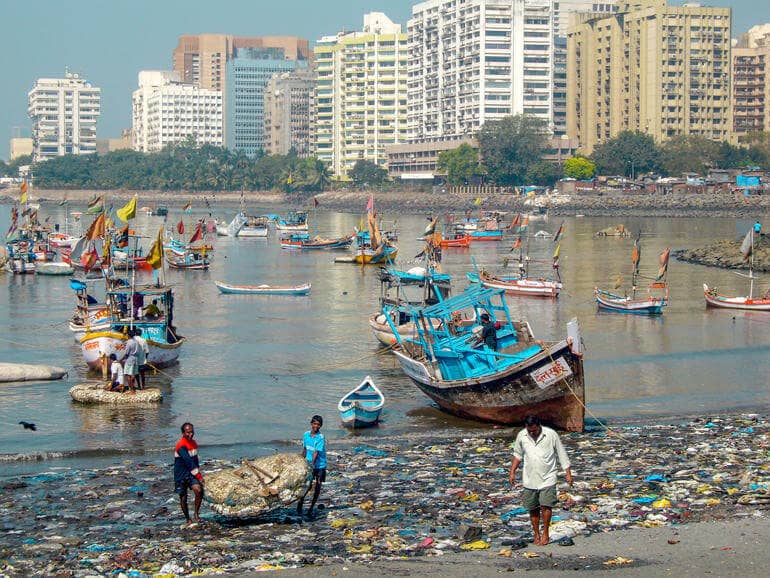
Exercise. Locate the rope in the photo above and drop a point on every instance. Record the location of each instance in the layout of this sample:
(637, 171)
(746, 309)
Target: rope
(607, 428)
(29, 345)
(323, 368)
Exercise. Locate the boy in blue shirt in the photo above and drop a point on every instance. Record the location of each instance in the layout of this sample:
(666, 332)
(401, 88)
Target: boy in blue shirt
(314, 450)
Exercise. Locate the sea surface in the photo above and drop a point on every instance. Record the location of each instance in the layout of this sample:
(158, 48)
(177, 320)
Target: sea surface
(255, 368)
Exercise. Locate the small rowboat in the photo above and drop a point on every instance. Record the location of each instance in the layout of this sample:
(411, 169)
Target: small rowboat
(649, 305)
(263, 289)
(361, 407)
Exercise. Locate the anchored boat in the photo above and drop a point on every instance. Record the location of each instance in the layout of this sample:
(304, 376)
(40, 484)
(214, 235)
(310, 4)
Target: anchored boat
(361, 407)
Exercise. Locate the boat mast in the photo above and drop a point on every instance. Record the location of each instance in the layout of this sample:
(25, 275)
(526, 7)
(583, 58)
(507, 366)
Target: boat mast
(751, 266)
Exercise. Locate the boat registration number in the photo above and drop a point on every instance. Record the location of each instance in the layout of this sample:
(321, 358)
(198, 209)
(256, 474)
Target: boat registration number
(551, 373)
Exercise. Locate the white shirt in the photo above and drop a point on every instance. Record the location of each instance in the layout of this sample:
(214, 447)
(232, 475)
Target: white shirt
(116, 369)
(539, 457)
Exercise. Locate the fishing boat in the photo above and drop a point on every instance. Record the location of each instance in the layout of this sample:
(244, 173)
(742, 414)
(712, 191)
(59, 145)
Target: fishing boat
(254, 227)
(522, 376)
(748, 302)
(303, 241)
(232, 228)
(90, 314)
(21, 258)
(228, 288)
(487, 235)
(125, 306)
(513, 285)
(458, 239)
(361, 407)
(62, 240)
(54, 268)
(294, 221)
(657, 291)
(189, 261)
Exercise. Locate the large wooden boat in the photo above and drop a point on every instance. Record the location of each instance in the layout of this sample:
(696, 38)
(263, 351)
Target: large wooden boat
(361, 407)
(294, 221)
(459, 239)
(523, 286)
(254, 227)
(189, 261)
(228, 288)
(232, 228)
(522, 376)
(124, 305)
(748, 302)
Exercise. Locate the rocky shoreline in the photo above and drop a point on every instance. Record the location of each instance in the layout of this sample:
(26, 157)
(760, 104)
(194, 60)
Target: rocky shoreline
(408, 500)
(607, 203)
(727, 254)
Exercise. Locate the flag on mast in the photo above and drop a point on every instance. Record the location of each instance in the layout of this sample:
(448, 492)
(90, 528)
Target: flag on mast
(747, 246)
(127, 212)
(96, 205)
(155, 255)
(23, 193)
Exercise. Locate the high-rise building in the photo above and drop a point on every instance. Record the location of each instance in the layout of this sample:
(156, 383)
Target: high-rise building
(64, 112)
(471, 61)
(361, 96)
(201, 59)
(658, 69)
(751, 83)
(563, 9)
(167, 111)
(290, 113)
(248, 73)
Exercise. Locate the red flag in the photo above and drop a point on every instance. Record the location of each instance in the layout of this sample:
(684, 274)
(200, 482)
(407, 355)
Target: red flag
(516, 221)
(24, 187)
(180, 227)
(370, 204)
(89, 259)
(197, 235)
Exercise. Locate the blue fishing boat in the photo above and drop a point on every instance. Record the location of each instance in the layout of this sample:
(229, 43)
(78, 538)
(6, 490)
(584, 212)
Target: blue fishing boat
(303, 241)
(361, 407)
(521, 376)
(294, 221)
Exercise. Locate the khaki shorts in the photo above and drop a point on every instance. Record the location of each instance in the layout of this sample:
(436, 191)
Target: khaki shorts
(533, 499)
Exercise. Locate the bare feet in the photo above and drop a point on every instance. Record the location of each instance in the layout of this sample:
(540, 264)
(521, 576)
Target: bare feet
(544, 540)
(536, 541)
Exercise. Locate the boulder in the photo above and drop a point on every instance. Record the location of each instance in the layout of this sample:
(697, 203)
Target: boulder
(95, 392)
(28, 372)
(257, 486)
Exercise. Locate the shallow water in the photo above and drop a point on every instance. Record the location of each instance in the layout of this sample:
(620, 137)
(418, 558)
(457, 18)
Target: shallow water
(255, 368)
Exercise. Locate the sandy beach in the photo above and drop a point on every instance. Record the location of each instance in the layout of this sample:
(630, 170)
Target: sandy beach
(683, 495)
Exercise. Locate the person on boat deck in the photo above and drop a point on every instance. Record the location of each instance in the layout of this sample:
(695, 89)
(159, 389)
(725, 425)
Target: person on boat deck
(131, 362)
(539, 447)
(117, 379)
(314, 450)
(488, 333)
(152, 311)
(187, 474)
(141, 356)
(138, 305)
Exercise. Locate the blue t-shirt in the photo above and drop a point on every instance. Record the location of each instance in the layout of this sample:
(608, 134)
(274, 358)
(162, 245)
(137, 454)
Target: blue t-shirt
(314, 443)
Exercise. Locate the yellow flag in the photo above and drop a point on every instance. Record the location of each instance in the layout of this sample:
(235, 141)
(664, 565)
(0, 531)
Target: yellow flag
(477, 202)
(23, 190)
(127, 212)
(155, 255)
(557, 251)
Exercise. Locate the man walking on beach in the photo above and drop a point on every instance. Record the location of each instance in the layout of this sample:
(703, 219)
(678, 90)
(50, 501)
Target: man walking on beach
(187, 474)
(314, 450)
(539, 447)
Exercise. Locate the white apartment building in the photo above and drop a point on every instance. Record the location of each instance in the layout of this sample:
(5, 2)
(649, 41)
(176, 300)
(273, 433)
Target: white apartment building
(166, 111)
(64, 112)
(361, 98)
(471, 61)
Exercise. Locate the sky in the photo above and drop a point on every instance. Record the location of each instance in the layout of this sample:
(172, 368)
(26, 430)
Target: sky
(109, 41)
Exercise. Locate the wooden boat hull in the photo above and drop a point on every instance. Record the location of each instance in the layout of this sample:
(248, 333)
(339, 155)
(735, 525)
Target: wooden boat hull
(263, 289)
(487, 235)
(362, 406)
(95, 343)
(253, 232)
(370, 257)
(290, 228)
(549, 384)
(55, 268)
(464, 241)
(648, 306)
(527, 286)
(714, 299)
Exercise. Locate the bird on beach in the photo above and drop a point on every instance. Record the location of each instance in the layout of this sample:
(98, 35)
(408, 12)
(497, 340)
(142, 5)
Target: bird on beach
(28, 425)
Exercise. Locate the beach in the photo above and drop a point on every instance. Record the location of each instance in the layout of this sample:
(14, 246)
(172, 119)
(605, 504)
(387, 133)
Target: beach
(650, 498)
(612, 203)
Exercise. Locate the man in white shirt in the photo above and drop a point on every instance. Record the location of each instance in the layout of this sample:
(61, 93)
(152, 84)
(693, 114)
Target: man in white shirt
(142, 353)
(539, 447)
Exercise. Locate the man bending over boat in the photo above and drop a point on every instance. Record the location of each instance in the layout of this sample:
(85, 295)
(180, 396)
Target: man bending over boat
(314, 450)
(538, 447)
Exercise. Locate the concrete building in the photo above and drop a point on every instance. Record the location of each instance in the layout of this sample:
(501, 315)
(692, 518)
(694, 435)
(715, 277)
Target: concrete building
(473, 61)
(290, 113)
(108, 145)
(201, 59)
(563, 10)
(248, 73)
(20, 146)
(167, 111)
(658, 69)
(751, 83)
(361, 94)
(64, 112)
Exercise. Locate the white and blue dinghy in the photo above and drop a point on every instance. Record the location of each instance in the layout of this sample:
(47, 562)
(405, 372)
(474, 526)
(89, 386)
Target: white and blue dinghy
(361, 407)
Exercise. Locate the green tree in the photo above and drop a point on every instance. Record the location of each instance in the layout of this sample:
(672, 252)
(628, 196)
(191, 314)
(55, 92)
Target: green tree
(366, 172)
(543, 174)
(460, 164)
(688, 154)
(510, 146)
(578, 168)
(628, 152)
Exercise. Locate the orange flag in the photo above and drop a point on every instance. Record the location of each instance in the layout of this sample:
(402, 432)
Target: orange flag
(97, 228)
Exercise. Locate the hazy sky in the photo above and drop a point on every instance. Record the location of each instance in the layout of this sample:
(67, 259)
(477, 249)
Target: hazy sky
(110, 41)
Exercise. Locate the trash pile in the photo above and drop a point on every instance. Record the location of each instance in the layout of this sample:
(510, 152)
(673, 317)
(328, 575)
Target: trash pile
(391, 500)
